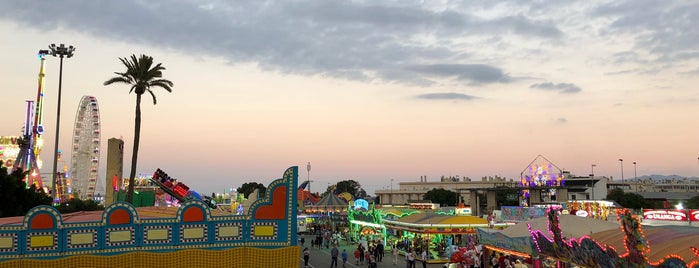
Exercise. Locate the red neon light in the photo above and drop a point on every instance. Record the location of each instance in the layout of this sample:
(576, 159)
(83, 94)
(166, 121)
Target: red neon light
(694, 214)
(665, 214)
(181, 189)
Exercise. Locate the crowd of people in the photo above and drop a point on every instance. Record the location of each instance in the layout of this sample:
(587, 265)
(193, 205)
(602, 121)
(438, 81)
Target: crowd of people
(369, 253)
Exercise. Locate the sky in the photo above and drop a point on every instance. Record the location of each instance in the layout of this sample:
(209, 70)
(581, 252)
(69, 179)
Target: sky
(379, 92)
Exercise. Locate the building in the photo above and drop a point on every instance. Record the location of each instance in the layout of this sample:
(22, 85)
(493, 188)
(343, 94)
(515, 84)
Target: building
(575, 188)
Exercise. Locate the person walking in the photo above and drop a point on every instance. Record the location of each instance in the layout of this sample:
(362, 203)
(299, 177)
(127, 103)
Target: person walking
(333, 254)
(395, 255)
(361, 253)
(356, 256)
(411, 259)
(424, 258)
(306, 256)
(367, 257)
(380, 249)
(344, 257)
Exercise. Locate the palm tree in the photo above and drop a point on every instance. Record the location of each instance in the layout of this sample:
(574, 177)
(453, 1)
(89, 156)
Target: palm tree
(141, 75)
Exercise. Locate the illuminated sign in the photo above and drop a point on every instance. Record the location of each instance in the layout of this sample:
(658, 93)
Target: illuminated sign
(694, 214)
(361, 203)
(542, 175)
(423, 206)
(463, 211)
(665, 215)
(9, 149)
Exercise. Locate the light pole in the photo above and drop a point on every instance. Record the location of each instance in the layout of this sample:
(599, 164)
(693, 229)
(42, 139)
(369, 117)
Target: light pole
(390, 197)
(635, 179)
(60, 51)
(592, 181)
(308, 168)
(621, 161)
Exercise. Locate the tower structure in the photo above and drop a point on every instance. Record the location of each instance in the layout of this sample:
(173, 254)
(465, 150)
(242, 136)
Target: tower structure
(115, 169)
(30, 143)
(26, 159)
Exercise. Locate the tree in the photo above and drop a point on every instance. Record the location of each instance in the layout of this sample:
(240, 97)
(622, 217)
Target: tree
(506, 196)
(693, 203)
(76, 204)
(628, 200)
(616, 195)
(441, 196)
(141, 75)
(18, 199)
(247, 188)
(351, 186)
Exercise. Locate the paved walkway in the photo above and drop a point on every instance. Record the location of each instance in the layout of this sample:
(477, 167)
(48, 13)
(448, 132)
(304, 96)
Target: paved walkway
(320, 258)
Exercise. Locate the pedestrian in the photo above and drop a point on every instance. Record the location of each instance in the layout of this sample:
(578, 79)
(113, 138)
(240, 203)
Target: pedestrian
(361, 254)
(407, 259)
(344, 257)
(395, 255)
(424, 258)
(306, 256)
(411, 259)
(333, 254)
(356, 256)
(303, 240)
(380, 249)
(367, 257)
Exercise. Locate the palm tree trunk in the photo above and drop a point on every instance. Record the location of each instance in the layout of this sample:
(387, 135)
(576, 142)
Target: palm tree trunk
(134, 157)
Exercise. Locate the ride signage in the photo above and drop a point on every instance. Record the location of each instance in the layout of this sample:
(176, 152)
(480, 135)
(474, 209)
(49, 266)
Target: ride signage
(665, 215)
(694, 214)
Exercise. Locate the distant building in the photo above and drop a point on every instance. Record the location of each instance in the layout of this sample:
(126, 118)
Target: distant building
(574, 188)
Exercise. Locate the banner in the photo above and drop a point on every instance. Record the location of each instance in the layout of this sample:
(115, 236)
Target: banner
(694, 215)
(665, 214)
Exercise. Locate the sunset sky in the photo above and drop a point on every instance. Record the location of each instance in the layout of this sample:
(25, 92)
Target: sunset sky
(370, 90)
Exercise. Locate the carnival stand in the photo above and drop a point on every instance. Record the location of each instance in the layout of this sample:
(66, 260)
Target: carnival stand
(517, 242)
(438, 232)
(330, 213)
(630, 247)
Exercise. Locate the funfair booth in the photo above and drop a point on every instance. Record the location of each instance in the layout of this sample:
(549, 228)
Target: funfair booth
(628, 246)
(434, 230)
(517, 242)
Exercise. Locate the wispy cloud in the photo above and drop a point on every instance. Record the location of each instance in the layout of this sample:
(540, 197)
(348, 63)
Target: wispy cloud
(446, 96)
(566, 88)
(478, 73)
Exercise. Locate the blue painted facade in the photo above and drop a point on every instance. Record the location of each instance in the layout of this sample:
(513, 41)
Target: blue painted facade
(270, 224)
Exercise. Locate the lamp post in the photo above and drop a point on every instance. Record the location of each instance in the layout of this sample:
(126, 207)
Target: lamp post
(390, 197)
(60, 51)
(621, 161)
(635, 179)
(592, 180)
(308, 168)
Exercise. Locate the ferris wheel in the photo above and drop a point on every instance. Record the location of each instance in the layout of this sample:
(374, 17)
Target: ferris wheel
(86, 149)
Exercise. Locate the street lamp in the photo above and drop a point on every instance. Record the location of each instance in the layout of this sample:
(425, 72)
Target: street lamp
(592, 181)
(390, 197)
(308, 168)
(60, 51)
(634, 175)
(621, 161)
